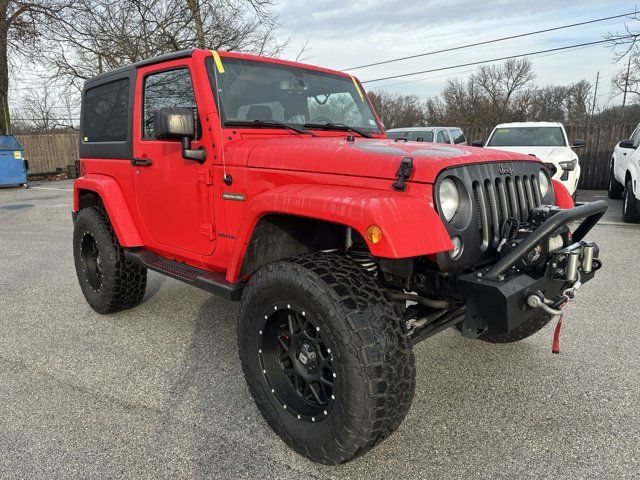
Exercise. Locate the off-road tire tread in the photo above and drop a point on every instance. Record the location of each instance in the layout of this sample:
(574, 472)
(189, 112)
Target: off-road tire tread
(130, 280)
(631, 214)
(376, 338)
(616, 189)
(525, 330)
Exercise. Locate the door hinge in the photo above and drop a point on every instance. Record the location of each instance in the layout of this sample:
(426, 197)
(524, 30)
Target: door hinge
(207, 230)
(204, 176)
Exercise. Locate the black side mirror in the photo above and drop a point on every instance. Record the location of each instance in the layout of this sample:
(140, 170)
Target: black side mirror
(477, 143)
(178, 124)
(626, 144)
(578, 143)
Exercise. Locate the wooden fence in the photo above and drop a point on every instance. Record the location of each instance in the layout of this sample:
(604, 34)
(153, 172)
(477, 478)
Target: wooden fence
(46, 153)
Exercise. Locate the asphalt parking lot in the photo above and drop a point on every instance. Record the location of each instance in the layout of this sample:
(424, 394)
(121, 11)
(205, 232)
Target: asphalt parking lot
(157, 391)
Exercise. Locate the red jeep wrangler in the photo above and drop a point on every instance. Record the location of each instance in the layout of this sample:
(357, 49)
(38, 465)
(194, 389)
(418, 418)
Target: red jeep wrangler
(272, 183)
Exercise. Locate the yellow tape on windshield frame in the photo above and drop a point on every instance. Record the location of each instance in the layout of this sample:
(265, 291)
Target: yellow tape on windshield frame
(355, 82)
(217, 61)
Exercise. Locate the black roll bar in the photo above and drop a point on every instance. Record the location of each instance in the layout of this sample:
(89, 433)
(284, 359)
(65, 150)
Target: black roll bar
(592, 212)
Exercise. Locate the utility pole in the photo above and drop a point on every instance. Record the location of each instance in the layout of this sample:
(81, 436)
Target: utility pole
(626, 85)
(595, 95)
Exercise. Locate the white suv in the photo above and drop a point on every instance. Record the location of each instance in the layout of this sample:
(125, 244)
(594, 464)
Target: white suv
(625, 174)
(547, 141)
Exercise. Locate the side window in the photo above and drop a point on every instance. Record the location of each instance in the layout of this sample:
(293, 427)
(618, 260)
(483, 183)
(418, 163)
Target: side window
(458, 136)
(636, 138)
(168, 89)
(442, 137)
(106, 112)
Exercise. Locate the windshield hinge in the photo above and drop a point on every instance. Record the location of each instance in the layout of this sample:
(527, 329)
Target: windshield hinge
(203, 175)
(403, 173)
(208, 231)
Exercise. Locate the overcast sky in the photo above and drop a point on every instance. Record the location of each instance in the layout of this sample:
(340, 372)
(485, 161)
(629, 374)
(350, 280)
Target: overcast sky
(344, 34)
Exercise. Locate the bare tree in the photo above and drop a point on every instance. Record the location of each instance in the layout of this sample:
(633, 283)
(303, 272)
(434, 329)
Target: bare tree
(626, 45)
(100, 35)
(21, 24)
(43, 110)
(627, 79)
(501, 83)
(397, 110)
(578, 101)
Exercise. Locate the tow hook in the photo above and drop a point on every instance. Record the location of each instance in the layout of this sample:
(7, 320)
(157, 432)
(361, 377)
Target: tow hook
(534, 301)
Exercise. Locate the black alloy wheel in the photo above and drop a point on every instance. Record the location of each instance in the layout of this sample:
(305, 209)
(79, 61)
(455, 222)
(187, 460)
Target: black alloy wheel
(297, 363)
(91, 261)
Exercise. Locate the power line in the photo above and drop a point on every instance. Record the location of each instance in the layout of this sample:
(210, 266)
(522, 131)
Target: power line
(449, 75)
(494, 59)
(486, 42)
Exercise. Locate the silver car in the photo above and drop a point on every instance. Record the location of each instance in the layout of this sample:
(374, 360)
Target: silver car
(450, 135)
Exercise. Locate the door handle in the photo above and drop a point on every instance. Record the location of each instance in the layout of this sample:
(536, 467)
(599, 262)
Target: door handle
(141, 162)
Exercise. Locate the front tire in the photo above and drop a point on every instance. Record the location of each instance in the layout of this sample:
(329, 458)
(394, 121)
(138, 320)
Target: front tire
(630, 205)
(615, 187)
(321, 320)
(108, 280)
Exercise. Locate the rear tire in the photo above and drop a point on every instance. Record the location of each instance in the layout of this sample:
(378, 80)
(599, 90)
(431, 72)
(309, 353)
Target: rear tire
(615, 187)
(630, 205)
(525, 330)
(108, 280)
(356, 341)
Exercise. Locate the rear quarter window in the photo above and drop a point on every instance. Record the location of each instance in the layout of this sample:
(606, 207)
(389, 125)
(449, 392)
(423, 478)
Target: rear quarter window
(458, 136)
(106, 112)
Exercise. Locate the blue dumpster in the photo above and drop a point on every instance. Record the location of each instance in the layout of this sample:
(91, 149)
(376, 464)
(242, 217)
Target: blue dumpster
(13, 166)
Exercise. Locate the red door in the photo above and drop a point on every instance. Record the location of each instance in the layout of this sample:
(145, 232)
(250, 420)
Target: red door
(174, 195)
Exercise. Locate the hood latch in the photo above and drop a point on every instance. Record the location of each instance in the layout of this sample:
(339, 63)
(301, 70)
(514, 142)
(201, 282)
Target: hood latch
(403, 173)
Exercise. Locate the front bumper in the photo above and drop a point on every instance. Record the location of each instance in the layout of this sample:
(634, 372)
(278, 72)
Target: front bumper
(496, 296)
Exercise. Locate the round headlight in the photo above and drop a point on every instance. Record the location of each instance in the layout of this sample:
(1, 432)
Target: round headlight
(449, 198)
(544, 183)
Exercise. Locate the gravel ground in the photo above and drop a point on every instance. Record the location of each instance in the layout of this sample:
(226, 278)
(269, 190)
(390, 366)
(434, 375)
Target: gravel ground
(157, 391)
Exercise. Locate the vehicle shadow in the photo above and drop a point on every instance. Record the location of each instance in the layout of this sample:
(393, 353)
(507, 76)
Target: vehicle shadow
(154, 283)
(208, 390)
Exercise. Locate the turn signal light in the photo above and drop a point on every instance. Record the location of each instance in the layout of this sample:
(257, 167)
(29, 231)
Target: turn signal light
(374, 233)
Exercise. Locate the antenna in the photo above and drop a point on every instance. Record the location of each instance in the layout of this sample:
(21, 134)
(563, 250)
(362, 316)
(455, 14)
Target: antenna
(226, 178)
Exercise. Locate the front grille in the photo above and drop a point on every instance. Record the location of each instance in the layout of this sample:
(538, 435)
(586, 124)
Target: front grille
(499, 199)
(497, 191)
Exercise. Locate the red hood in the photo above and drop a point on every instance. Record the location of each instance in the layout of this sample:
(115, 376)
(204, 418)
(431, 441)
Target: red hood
(377, 158)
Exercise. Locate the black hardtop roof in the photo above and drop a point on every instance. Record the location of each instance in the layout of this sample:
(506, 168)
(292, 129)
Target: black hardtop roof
(124, 71)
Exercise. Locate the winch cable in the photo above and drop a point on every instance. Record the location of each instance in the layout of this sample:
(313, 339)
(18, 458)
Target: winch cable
(508, 231)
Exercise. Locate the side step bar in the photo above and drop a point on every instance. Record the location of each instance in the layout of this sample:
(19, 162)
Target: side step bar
(214, 282)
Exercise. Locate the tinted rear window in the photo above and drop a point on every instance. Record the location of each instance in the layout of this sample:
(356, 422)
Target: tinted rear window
(412, 136)
(106, 112)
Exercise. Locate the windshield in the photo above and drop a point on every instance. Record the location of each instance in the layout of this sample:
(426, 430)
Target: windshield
(527, 137)
(250, 91)
(414, 136)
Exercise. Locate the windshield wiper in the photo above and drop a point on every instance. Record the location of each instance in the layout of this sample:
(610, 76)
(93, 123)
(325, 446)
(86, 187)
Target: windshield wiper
(338, 126)
(266, 123)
